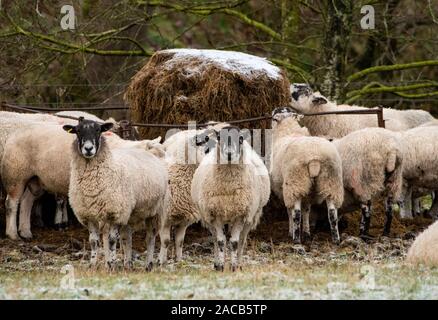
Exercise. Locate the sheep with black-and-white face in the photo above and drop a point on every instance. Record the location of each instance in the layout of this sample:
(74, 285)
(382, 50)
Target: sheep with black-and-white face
(34, 160)
(305, 171)
(114, 191)
(183, 156)
(228, 188)
(12, 123)
(304, 100)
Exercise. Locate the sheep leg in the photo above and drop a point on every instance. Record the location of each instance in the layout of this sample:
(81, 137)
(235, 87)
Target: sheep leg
(333, 219)
(38, 215)
(180, 233)
(365, 220)
(94, 243)
(165, 241)
(416, 206)
(24, 224)
(12, 200)
(406, 203)
(64, 222)
(242, 242)
(126, 244)
(105, 240)
(150, 245)
(306, 224)
(295, 222)
(113, 236)
(388, 216)
(220, 243)
(433, 212)
(236, 231)
(58, 214)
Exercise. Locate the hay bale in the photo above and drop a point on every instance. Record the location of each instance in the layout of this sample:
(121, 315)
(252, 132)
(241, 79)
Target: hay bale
(181, 85)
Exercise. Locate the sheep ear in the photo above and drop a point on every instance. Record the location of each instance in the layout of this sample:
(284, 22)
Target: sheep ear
(201, 139)
(244, 135)
(106, 126)
(70, 128)
(156, 140)
(319, 100)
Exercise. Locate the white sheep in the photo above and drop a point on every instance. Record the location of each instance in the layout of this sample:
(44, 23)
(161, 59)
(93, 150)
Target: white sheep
(420, 165)
(40, 153)
(372, 166)
(9, 123)
(336, 126)
(424, 250)
(182, 158)
(78, 114)
(304, 171)
(115, 190)
(229, 189)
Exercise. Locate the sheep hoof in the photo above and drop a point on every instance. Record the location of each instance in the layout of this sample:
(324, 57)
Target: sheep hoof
(14, 237)
(26, 235)
(58, 226)
(234, 268)
(92, 266)
(149, 267)
(219, 267)
(426, 214)
(306, 237)
(111, 266)
(128, 266)
(296, 241)
(366, 237)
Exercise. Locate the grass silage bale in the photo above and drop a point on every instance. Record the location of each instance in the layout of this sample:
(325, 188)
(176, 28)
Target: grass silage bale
(180, 85)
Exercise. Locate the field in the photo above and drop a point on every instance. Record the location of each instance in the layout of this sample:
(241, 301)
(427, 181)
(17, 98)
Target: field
(55, 266)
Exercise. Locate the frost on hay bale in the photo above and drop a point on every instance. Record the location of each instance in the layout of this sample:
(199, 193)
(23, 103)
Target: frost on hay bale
(181, 85)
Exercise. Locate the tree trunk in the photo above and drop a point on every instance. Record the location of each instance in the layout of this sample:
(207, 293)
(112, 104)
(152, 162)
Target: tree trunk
(335, 47)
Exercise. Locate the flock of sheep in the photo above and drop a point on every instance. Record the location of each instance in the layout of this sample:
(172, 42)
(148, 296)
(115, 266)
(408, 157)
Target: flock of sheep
(337, 162)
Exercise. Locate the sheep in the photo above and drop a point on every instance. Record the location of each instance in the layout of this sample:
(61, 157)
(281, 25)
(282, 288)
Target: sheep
(79, 114)
(304, 170)
(420, 168)
(228, 188)
(182, 157)
(424, 250)
(9, 123)
(39, 151)
(115, 190)
(336, 126)
(372, 166)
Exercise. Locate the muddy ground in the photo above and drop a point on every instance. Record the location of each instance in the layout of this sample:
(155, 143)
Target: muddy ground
(54, 265)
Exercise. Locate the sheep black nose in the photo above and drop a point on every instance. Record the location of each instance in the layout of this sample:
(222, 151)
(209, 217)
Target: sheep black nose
(88, 149)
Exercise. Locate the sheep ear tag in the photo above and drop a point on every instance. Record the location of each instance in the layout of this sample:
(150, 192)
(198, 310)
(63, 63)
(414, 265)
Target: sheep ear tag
(69, 128)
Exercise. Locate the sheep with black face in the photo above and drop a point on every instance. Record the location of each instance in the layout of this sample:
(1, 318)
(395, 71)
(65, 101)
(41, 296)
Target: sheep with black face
(115, 190)
(230, 187)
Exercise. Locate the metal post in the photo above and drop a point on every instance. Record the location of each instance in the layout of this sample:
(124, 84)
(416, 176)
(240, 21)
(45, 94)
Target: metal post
(380, 120)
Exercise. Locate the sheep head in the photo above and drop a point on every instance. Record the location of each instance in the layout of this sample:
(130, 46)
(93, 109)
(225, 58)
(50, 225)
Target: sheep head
(88, 136)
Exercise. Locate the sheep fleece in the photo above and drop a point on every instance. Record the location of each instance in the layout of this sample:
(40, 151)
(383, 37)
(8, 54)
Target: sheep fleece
(119, 186)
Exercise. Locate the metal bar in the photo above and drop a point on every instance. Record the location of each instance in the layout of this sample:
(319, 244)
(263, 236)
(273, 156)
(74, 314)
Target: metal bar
(377, 111)
(33, 109)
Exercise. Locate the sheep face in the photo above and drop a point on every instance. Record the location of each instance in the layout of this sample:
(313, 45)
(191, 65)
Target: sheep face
(278, 114)
(228, 141)
(88, 135)
(303, 99)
